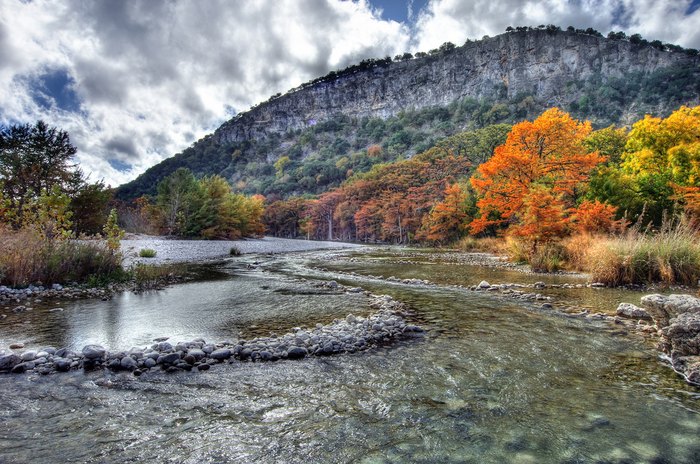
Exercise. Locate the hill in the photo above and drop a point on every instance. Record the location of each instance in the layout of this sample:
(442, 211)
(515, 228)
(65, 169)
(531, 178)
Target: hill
(315, 136)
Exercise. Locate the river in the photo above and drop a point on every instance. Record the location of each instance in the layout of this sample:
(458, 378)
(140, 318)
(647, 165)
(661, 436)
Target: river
(494, 380)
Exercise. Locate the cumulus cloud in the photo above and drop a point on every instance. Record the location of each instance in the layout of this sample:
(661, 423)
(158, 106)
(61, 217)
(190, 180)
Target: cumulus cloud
(135, 82)
(457, 20)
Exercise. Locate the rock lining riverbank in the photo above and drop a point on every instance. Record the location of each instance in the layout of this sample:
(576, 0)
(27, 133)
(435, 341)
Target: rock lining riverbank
(349, 335)
(677, 318)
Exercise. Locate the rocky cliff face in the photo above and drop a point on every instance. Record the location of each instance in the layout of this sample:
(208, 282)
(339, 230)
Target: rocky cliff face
(545, 65)
(321, 126)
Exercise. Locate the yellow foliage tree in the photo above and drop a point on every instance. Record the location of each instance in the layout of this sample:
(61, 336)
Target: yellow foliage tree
(664, 155)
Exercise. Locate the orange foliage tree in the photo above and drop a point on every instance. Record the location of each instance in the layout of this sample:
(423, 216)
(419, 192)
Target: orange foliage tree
(447, 218)
(542, 159)
(542, 217)
(594, 217)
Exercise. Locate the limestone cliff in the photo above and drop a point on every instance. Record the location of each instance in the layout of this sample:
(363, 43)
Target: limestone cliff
(324, 127)
(538, 63)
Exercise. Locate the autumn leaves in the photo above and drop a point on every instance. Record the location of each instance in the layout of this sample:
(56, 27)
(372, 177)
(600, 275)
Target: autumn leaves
(551, 177)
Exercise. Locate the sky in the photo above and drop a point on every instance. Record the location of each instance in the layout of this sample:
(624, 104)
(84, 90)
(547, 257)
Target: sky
(136, 81)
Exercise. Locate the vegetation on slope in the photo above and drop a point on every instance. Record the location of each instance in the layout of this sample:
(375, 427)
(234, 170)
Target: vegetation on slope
(324, 155)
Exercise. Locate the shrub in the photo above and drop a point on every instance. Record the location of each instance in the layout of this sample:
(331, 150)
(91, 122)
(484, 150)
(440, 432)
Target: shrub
(548, 257)
(542, 257)
(28, 258)
(484, 245)
(576, 248)
(147, 253)
(517, 250)
(149, 276)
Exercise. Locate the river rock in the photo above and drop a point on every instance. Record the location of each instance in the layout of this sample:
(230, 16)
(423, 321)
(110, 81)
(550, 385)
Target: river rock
(28, 356)
(17, 346)
(149, 362)
(196, 353)
(170, 358)
(296, 352)
(128, 363)
(93, 352)
(631, 311)
(483, 285)
(163, 347)
(20, 368)
(220, 354)
(62, 364)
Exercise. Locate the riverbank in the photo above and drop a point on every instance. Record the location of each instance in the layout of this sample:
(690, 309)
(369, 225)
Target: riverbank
(197, 251)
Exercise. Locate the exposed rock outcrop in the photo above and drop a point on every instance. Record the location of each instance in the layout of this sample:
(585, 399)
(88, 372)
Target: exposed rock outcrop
(533, 63)
(678, 318)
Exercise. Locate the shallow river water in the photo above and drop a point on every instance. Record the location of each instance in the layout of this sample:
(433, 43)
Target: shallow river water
(494, 380)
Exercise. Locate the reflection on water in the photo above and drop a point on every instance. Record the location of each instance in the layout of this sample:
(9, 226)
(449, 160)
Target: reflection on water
(237, 304)
(491, 383)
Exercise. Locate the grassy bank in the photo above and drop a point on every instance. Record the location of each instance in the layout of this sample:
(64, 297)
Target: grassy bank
(670, 256)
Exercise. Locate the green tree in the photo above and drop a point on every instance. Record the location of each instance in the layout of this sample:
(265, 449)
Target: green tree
(113, 234)
(89, 207)
(175, 199)
(33, 159)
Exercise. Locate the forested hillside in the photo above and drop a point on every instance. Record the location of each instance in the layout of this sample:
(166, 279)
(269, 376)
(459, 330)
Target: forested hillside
(320, 134)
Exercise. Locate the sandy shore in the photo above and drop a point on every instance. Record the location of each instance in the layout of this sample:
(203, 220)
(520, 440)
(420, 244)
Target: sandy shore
(173, 251)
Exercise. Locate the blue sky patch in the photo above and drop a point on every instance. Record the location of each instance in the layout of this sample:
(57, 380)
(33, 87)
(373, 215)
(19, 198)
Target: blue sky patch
(55, 88)
(398, 11)
(119, 165)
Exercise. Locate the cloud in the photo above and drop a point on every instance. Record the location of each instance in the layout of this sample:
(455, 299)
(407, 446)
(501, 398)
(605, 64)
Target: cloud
(135, 82)
(457, 20)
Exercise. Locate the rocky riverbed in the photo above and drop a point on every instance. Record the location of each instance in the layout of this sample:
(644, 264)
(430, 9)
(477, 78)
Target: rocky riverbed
(349, 335)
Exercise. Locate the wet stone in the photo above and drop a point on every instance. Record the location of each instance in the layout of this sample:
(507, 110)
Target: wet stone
(170, 358)
(92, 352)
(221, 354)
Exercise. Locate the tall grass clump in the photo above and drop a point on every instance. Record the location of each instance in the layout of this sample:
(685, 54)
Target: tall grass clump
(483, 245)
(542, 257)
(28, 258)
(147, 253)
(669, 256)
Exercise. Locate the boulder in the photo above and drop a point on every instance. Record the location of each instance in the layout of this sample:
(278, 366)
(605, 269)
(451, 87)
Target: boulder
(678, 317)
(632, 312)
(483, 285)
(664, 308)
